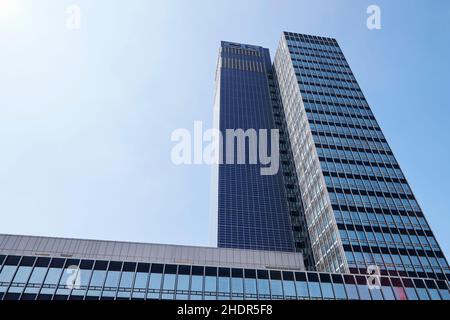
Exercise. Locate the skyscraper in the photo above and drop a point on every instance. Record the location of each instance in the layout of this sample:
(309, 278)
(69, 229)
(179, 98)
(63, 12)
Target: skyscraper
(359, 208)
(252, 208)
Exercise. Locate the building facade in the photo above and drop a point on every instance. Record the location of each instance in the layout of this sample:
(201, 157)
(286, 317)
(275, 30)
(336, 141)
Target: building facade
(252, 211)
(42, 268)
(359, 208)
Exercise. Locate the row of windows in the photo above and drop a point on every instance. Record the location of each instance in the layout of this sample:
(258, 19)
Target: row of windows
(343, 120)
(343, 130)
(368, 185)
(315, 61)
(330, 91)
(338, 109)
(388, 240)
(365, 163)
(241, 51)
(32, 277)
(331, 98)
(372, 201)
(380, 219)
(362, 170)
(350, 140)
(320, 80)
(303, 50)
(395, 262)
(325, 74)
(359, 139)
(313, 84)
(242, 64)
(335, 68)
(350, 143)
(340, 153)
(313, 44)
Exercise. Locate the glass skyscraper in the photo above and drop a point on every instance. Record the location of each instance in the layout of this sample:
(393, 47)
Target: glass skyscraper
(347, 204)
(359, 208)
(252, 208)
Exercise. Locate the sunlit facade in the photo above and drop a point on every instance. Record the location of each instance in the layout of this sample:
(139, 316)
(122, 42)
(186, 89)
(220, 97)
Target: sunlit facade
(359, 208)
(40, 268)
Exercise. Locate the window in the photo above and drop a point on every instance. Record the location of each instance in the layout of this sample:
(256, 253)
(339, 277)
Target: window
(183, 282)
(277, 289)
(22, 274)
(169, 282)
(363, 292)
(126, 284)
(339, 291)
(302, 289)
(85, 277)
(289, 289)
(140, 285)
(327, 290)
(263, 287)
(314, 290)
(98, 278)
(51, 280)
(224, 284)
(155, 281)
(112, 280)
(53, 276)
(67, 281)
(141, 280)
(411, 294)
(250, 286)
(351, 291)
(197, 283)
(422, 293)
(36, 279)
(387, 293)
(96, 284)
(7, 273)
(210, 284)
(376, 294)
(237, 285)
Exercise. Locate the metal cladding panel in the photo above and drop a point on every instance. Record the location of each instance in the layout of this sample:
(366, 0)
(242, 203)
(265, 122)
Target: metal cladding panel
(141, 252)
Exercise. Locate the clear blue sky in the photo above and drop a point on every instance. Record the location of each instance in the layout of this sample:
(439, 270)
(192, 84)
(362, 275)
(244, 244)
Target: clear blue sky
(86, 116)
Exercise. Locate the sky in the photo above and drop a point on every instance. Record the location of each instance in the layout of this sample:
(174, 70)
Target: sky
(86, 115)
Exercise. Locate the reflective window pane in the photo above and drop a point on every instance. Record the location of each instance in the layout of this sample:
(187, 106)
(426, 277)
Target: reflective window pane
(237, 285)
(183, 282)
(289, 289)
(210, 284)
(224, 284)
(327, 290)
(169, 282)
(250, 286)
(141, 280)
(197, 283)
(302, 289)
(263, 287)
(339, 291)
(314, 290)
(276, 288)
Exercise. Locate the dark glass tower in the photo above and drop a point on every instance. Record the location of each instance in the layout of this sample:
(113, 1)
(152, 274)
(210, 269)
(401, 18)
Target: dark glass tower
(359, 208)
(252, 208)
